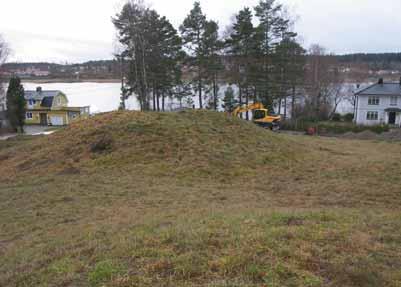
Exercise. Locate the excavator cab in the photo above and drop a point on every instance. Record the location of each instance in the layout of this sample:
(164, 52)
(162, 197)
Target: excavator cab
(260, 114)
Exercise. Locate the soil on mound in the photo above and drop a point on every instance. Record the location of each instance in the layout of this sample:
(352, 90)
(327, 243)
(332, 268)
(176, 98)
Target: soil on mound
(183, 141)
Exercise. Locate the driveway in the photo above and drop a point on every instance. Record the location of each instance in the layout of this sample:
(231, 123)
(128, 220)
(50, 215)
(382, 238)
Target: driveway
(30, 131)
(6, 136)
(35, 130)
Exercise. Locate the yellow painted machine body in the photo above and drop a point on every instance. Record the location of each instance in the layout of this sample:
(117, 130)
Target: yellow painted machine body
(261, 115)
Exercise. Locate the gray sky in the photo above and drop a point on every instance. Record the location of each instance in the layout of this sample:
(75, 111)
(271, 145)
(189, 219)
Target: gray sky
(81, 30)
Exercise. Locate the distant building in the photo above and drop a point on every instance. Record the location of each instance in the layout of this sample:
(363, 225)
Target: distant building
(51, 108)
(379, 104)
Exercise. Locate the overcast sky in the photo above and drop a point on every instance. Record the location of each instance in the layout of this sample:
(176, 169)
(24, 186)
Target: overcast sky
(80, 30)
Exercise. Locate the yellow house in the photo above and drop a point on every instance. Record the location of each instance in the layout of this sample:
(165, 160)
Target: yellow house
(50, 108)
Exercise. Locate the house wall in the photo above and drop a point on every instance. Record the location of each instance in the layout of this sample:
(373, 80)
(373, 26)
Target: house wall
(63, 114)
(385, 103)
(60, 101)
(36, 117)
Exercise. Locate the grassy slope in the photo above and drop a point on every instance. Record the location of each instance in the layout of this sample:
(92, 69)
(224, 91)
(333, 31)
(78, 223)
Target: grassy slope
(197, 199)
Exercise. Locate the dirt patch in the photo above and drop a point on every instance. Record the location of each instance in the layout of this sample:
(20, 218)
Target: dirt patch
(392, 135)
(365, 135)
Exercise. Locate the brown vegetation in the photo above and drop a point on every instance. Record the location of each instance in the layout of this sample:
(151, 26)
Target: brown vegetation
(197, 199)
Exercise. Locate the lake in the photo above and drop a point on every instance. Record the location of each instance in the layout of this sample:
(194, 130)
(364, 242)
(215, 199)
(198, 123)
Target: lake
(105, 97)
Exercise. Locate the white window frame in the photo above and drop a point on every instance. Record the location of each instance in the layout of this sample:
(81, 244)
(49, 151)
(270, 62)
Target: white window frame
(372, 116)
(29, 116)
(373, 101)
(393, 101)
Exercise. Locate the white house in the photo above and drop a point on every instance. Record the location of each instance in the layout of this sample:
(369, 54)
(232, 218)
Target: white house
(379, 104)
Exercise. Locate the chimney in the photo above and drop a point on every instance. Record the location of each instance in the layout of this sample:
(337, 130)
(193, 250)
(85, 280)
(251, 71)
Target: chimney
(381, 82)
(39, 90)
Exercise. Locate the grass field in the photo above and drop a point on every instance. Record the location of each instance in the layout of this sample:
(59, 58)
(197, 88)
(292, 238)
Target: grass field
(197, 199)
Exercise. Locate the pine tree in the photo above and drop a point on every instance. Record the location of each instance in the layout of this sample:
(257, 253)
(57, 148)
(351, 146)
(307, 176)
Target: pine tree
(241, 47)
(211, 47)
(291, 60)
(154, 51)
(132, 28)
(165, 60)
(16, 104)
(272, 29)
(192, 32)
(229, 101)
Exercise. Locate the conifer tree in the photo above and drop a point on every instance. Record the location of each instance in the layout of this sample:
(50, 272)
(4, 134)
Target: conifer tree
(273, 28)
(211, 47)
(192, 32)
(290, 61)
(241, 48)
(229, 101)
(16, 104)
(154, 51)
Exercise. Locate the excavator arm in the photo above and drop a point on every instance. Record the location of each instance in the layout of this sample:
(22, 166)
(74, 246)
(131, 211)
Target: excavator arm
(246, 108)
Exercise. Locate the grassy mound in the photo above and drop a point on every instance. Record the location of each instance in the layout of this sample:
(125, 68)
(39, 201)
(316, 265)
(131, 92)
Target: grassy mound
(197, 143)
(197, 199)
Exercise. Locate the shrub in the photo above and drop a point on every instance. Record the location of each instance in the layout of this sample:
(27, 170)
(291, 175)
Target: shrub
(331, 127)
(348, 117)
(336, 117)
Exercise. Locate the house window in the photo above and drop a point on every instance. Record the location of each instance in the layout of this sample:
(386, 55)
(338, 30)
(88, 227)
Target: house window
(31, 103)
(29, 116)
(374, 101)
(393, 101)
(372, 116)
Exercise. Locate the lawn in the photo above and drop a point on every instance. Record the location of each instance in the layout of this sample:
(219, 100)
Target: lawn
(197, 199)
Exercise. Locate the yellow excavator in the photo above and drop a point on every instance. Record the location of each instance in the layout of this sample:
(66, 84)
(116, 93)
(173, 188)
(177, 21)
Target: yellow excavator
(261, 115)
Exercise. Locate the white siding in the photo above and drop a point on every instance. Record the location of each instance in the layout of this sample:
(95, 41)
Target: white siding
(385, 102)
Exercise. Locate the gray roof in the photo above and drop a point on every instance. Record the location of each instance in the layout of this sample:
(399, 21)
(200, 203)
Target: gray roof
(385, 89)
(35, 95)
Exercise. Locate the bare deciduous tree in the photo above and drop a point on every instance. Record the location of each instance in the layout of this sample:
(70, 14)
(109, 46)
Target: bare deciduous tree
(324, 83)
(4, 52)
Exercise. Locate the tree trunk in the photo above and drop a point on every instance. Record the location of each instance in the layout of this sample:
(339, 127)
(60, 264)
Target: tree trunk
(240, 97)
(247, 101)
(293, 104)
(163, 101)
(279, 105)
(158, 101)
(154, 99)
(199, 73)
(215, 92)
(285, 108)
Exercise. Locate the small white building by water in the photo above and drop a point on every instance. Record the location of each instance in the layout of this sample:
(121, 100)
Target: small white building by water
(379, 103)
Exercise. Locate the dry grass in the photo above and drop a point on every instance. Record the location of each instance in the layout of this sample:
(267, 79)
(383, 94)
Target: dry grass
(197, 199)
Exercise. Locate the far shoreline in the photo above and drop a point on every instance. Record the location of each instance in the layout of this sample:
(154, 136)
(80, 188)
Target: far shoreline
(70, 81)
